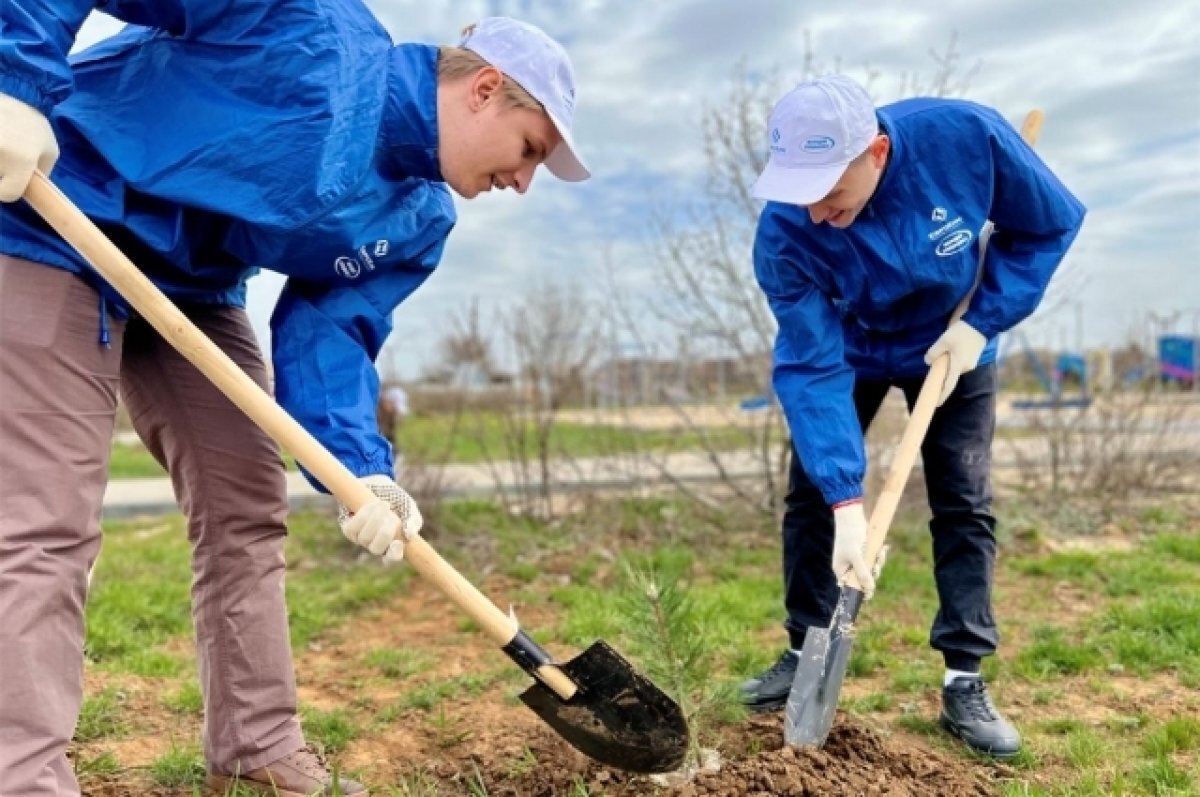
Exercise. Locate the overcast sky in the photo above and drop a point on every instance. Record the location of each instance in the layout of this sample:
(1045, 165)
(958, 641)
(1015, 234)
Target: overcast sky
(1119, 82)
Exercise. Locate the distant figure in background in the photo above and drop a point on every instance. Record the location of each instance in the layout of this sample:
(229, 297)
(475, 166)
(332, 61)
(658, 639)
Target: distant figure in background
(393, 409)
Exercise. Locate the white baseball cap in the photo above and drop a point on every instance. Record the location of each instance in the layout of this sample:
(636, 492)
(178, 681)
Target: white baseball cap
(541, 66)
(815, 131)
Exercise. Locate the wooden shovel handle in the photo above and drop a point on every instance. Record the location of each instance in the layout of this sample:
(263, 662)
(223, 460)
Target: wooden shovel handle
(923, 409)
(61, 214)
(1031, 128)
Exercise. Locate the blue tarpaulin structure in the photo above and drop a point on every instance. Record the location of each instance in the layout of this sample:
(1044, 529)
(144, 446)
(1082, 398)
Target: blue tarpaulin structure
(1177, 359)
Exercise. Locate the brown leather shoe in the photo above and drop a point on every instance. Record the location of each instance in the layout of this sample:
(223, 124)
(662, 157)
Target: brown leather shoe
(299, 774)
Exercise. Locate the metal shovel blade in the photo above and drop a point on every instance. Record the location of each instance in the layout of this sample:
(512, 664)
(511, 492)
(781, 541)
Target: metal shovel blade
(813, 699)
(617, 717)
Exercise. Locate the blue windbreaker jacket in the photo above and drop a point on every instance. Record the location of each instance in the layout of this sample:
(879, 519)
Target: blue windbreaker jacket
(210, 138)
(868, 301)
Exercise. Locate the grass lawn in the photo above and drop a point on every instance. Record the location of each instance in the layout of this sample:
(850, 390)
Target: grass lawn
(1099, 666)
(483, 437)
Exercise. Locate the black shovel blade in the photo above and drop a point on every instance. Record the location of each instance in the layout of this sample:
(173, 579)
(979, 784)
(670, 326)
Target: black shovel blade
(813, 699)
(617, 717)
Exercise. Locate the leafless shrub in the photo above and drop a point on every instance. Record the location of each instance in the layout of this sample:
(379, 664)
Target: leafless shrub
(425, 480)
(701, 250)
(549, 337)
(1126, 443)
(707, 297)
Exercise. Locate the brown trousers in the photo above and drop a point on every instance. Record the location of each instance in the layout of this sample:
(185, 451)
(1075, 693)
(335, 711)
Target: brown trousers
(58, 400)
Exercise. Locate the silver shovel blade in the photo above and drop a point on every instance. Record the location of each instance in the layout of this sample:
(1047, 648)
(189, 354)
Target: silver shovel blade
(813, 699)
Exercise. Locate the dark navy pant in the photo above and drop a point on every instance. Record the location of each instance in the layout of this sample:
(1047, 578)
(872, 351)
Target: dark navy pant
(957, 460)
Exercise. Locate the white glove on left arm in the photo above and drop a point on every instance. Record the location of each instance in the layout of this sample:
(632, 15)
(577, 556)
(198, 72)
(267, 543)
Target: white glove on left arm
(850, 544)
(383, 525)
(965, 344)
(26, 143)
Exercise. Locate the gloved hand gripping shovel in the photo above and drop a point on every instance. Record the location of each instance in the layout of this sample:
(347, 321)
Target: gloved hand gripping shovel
(812, 701)
(596, 701)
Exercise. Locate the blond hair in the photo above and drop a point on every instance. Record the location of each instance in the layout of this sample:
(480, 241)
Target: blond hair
(459, 62)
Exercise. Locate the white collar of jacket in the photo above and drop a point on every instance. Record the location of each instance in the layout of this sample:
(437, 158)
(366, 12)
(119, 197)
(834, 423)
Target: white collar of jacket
(408, 131)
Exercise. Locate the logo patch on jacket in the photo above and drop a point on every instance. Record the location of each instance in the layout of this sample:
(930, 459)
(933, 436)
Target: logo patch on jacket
(364, 258)
(938, 216)
(954, 243)
(347, 267)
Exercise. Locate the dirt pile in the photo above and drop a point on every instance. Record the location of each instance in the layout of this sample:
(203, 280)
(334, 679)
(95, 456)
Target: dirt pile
(854, 761)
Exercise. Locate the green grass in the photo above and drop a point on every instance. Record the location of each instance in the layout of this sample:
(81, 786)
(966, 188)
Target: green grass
(102, 716)
(484, 437)
(103, 764)
(398, 663)
(187, 699)
(416, 784)
(912, 676)
(140, 594)
(478, 437)
(132, 462)
(1147, 611)
(331, 730)
(872, 703)
(179, 766)
(1161, 775)
(1179, 734)
(1138, 625)
(1086, 750)
(1052, 653)
(139, 597)
(427, 696)
(1142, 620)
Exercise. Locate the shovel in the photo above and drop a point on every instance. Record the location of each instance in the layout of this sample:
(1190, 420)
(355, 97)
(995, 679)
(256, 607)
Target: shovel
(596, 701)
(812, 701)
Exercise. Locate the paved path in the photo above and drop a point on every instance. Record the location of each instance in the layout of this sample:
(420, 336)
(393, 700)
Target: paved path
(155, 496)
(126, 497)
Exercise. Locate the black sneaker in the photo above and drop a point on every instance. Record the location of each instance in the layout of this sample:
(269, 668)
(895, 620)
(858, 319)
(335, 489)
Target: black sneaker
(968, 713)
(769, 690)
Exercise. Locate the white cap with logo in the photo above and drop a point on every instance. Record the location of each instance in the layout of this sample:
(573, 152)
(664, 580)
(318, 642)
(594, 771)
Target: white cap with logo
(815, 131)
(540, 65)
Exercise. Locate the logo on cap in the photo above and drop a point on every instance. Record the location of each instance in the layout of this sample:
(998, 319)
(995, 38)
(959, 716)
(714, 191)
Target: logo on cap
(817, 144)
(775, 146)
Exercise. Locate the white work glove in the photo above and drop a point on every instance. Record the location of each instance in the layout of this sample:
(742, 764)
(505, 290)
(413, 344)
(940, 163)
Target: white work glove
(383, 525)
(850, 544)
(26, 143)
(965, 345)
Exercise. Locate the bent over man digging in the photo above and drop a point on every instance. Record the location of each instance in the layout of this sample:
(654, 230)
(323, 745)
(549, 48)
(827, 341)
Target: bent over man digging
(868, 241)
(209, 138)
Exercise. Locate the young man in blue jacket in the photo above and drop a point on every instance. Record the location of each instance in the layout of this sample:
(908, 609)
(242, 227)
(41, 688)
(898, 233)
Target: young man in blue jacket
(209, 138)
(868, 241)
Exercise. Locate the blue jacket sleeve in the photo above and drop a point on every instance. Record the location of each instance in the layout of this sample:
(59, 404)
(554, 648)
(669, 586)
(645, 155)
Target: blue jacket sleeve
(1036, 218)
(324, 344)
(36, 35)
(811, 377)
